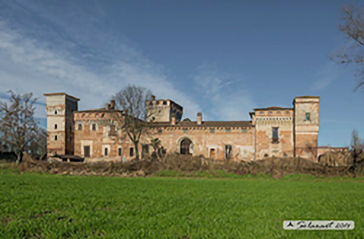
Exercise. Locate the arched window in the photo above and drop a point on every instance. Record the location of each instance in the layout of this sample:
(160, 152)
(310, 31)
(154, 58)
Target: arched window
(185, 146)
(106, 153)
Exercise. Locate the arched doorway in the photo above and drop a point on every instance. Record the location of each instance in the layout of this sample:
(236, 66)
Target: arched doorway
(186, 146)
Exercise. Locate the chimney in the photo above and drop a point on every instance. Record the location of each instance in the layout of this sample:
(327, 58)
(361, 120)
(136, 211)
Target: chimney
(112, 104)
(199, 118)
(153, 97)
(173, 119)
(107, 106)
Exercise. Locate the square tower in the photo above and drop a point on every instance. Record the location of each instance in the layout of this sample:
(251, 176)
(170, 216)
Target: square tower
(162, 110)
(60, 124)
(306, 126)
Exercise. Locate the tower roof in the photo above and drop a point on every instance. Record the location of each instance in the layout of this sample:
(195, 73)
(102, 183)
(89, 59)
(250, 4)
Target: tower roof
(306, 97)
(61, 93)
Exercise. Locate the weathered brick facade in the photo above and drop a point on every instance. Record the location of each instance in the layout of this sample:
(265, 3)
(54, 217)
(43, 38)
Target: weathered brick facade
(272, 131)
(60, 131)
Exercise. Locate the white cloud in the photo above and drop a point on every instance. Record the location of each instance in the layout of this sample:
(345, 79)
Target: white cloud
(30, 65)
(228, 96)
(326, 76)
(92, 63)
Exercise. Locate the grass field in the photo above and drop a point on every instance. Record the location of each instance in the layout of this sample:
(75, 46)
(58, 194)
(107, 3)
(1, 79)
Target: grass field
(54, 206)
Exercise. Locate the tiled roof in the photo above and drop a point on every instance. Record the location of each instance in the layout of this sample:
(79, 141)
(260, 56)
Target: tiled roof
(98, 110)
(329, 147)
(274, 108)
(205, 124)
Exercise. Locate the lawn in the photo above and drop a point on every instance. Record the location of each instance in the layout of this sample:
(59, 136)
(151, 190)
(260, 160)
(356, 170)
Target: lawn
(55, 206)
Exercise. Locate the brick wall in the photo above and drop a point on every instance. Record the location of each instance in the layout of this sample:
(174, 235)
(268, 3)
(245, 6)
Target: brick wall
(203, 140)
(265, 120)
(306, 130)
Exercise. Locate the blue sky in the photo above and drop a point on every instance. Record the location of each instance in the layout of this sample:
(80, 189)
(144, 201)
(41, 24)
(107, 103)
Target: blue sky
(223, 58)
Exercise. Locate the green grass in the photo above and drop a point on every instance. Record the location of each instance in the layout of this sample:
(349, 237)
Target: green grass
(54, 206)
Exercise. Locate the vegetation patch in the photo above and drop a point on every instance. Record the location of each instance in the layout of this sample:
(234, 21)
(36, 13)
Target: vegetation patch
(57, 206)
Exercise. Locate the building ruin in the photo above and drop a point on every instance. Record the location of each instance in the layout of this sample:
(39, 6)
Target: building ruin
(272, 131)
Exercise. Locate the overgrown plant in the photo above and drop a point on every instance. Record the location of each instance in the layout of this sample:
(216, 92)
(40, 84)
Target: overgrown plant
(155, 143)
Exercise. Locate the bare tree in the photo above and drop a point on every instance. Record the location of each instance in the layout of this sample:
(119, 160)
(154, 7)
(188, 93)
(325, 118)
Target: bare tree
(353, 28)
(38, 143)
(135, 121)
(356, 142)
(17, 122)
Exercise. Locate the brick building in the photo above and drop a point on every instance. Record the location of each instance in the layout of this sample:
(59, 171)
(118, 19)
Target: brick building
(272, 131)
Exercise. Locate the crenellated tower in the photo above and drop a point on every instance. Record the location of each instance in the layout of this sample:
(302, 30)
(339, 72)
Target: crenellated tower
(163, 110)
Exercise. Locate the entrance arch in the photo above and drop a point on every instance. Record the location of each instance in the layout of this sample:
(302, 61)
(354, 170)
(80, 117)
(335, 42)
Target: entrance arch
(185, 146)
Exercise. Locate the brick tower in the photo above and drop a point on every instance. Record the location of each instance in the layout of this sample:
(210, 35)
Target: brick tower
(162, 110)
(60, 125)
(306, 126)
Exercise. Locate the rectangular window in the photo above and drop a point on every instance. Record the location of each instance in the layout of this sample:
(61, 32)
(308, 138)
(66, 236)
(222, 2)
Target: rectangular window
(131, 152)
(244, 130)
(212, 131)
(93, 127)
(86, 151)
(228, 131)
(275, 135)
(112, 130)
(185, 131)
(55, 137)
(106, 151)
(79, 126)
(308, 116)
(55, 126)
(119, 151)
(228, 152)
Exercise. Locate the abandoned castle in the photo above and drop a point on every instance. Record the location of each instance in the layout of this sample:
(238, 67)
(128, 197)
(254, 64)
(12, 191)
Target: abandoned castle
(272, 131)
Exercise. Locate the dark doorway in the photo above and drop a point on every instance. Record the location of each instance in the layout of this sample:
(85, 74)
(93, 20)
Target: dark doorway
(212, 153)
(86, 151)
(185, 146)
(228, 152)
(145, 150)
